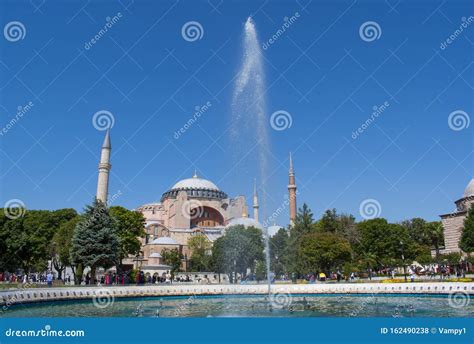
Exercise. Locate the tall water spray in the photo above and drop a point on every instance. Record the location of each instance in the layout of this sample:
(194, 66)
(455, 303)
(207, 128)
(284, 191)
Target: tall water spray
(249, 122)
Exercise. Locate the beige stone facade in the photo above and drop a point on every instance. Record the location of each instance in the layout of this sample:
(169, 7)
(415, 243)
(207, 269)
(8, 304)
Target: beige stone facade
(453, 223)
(192, 206)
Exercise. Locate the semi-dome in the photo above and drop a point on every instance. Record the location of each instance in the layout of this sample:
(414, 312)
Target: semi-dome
(165, 241)
(244, 221)
(469, 191)
(195, 183)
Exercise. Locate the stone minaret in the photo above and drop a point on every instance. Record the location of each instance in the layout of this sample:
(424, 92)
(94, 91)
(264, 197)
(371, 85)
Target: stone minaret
(104, 169)
(255, 201)
(292, 192)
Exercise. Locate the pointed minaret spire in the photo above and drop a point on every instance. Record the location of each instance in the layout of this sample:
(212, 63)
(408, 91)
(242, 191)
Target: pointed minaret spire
(195, 173)
(104, 169)
(292, 192)
(255, 200)
(107, 143)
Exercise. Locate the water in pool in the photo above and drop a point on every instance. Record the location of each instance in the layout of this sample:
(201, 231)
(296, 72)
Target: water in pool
(252, 306)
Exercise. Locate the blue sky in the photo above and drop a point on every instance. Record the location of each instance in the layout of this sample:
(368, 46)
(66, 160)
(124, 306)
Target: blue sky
(320, 71)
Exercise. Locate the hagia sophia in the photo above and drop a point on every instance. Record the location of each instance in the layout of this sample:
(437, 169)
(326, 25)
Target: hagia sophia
(198, 206)
(192, 206)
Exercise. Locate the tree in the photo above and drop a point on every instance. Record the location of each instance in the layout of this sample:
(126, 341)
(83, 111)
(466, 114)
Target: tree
(26, 240)
(172, 257)
(260, 270)
(304, 221)
(303, 224)
(386, 244)
(323, 251)
(329, 222)
(95, 242)
(61, 245)
(279, 251)
(436, 234)
(417, 230)
(467, 237)
(238, 250)
(217, 262)
(130, 226)
(200, 248)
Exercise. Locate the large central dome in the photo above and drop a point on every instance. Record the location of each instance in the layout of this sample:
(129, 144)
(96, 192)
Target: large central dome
(195, 187)
(195, 183)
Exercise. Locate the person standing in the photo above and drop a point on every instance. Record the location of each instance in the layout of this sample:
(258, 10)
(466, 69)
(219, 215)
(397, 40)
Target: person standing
(49, 279)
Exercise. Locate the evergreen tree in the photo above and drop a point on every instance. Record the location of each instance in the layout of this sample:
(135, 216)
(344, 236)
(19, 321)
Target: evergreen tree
(95, 242)
(467, 237)
(304, 224)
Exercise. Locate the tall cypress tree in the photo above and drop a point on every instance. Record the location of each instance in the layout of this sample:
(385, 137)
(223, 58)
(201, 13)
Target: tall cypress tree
(95, 242)
(467, 238)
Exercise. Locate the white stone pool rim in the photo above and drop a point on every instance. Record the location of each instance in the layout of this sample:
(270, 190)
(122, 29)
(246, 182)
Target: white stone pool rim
(32, 295)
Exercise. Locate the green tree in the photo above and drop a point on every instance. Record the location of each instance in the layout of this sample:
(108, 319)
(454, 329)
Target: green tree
(200, 248)
(329, 222)
(322, 252)
(95, 242)
(467, 237)
(387, 244)
(417, 230)
(260, 270)
(303, 224)
(435, 233)
(130, 227)
(279, 251)
(238, 250)
(452, 258)
(61, 245)
(26, 240)
(172, 257)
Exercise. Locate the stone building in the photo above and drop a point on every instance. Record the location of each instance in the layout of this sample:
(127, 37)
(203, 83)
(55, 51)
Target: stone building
(453, 223)
(190, 207)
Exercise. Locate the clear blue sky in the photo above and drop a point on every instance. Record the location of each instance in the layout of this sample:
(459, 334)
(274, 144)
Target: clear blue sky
(319, 70)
